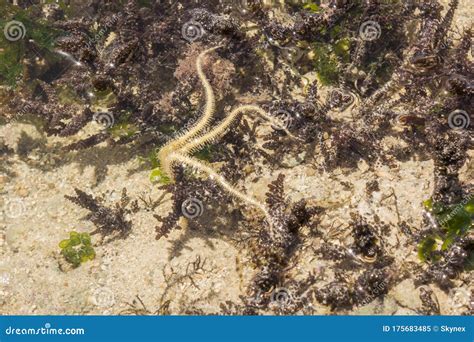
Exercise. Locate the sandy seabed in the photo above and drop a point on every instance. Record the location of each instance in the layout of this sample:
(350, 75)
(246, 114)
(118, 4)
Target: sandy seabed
(36, 217)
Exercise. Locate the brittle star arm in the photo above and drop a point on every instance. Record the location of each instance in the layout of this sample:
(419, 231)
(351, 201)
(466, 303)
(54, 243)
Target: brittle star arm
(208, 113)
(179, 158)
(218, 131)
(209, 106)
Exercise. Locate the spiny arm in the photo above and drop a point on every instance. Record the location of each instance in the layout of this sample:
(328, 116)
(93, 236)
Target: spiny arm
(209, 171)
(217, 132)
(209, 107)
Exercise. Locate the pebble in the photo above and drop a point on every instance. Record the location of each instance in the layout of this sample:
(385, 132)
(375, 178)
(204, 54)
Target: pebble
(291, 161)
(21, 191)
(363, 166)
(406, 294)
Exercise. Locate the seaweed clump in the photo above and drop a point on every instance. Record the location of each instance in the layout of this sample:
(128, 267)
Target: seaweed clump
(363, 270)
(122, 65)
(446, 244)
(272, 251)
(110, 222)
(77, 249)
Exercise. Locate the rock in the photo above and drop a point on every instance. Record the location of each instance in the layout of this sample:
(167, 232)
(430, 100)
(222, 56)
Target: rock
(363, 166)
(407, 294)
(291, 161)
(21, 191)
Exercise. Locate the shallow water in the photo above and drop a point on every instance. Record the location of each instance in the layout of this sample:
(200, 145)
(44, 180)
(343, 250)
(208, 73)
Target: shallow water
(90, 95)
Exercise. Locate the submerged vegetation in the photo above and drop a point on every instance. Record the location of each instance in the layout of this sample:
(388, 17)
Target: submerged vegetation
(454, 221)
(208, 98)
(77, 249)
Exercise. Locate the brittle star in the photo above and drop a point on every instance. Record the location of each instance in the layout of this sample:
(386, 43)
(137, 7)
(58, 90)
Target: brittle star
(180, 150)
